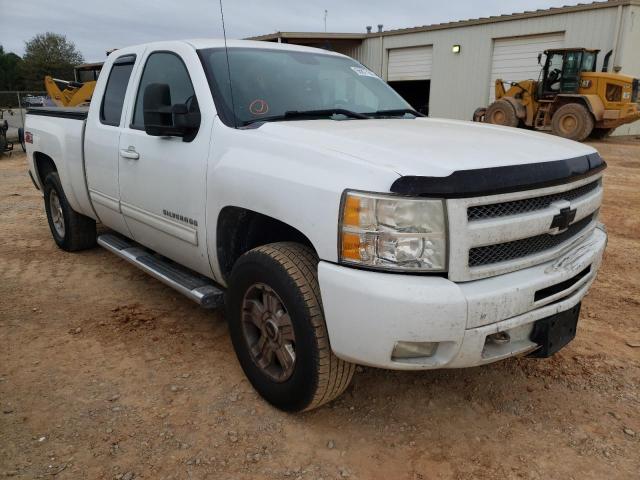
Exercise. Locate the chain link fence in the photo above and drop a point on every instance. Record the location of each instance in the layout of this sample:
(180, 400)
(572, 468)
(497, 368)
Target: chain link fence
(13, 107)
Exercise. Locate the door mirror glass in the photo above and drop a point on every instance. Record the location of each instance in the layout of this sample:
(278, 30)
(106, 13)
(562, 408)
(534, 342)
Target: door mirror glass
(163, 119)
(166, 104)
(539, 58)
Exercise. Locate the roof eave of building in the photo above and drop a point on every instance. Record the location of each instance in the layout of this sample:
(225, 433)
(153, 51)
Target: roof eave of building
(310, 36)
(509, 17)
(456, 24)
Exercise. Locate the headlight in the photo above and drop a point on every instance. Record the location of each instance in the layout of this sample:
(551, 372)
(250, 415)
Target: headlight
(393, 233)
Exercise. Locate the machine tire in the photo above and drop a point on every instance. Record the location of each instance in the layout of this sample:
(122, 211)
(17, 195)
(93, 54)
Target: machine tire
(286, 273)
(601, 133)
(70, 230)
(478, 114)
(501, 112)
(21, 139)
(572, 121)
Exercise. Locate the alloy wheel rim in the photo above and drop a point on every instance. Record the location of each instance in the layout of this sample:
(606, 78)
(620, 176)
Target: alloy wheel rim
(57, 216)
(268, 331)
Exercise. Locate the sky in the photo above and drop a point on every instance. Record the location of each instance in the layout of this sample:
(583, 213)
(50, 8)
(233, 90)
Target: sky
(96, 26)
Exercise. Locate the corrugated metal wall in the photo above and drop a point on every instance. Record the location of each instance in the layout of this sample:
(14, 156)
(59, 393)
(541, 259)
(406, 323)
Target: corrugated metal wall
(515, 59)
(630, 56)
(459, 82)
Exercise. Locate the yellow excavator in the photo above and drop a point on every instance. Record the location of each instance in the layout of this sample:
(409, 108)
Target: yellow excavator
(570, 100)
(66, 93)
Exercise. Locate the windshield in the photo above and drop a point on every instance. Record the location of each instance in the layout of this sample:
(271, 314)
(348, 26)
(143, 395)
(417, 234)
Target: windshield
(270, 84)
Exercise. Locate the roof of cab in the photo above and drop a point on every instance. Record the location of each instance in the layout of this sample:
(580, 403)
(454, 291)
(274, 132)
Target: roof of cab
(201, 43)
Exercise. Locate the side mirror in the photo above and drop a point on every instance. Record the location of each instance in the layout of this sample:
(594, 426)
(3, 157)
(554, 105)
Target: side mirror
(162, 119)
(539, 58)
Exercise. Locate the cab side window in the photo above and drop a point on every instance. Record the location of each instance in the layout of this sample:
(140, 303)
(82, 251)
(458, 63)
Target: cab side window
(113, 98)
(168, 69)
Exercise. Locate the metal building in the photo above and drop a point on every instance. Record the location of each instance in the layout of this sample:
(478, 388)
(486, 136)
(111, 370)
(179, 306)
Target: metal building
(449, 69)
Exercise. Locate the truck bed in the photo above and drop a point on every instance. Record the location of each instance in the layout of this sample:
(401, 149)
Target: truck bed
(76, 113)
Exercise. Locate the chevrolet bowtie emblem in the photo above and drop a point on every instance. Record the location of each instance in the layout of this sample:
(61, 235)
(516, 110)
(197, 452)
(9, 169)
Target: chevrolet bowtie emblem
(562, 220)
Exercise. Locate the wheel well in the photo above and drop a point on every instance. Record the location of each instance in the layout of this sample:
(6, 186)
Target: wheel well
(240, 230)
(44, 166)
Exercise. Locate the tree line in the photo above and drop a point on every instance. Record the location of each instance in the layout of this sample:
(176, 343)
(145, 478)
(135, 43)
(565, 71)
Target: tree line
(45, 54)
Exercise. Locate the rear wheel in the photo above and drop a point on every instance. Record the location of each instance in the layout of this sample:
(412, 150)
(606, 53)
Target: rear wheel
(572, 121)
(278, 329)
(70, 230)
(479, 113)
(501, 112)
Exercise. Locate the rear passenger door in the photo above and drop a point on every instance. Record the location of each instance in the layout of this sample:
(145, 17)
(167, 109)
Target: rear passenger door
(102, 138)
(163, 179)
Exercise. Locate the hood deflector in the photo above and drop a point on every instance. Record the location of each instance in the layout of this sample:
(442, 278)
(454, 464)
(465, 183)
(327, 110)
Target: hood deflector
(496, 180)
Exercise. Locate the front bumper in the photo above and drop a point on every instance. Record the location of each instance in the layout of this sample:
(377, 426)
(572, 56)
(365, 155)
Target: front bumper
(368, 312)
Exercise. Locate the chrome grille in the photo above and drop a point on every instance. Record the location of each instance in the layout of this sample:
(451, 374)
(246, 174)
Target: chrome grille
(520, 235)
(501, 252)
(504, 209)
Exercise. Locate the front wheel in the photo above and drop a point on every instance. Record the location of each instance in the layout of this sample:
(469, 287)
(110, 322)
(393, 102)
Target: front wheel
(503, 113)
(278, 329)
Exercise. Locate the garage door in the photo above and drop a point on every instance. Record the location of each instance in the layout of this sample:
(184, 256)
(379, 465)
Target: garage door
(413, 63)
(517, 58)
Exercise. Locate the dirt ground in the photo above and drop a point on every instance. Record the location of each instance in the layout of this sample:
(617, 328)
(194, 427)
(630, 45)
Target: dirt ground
(106, 373)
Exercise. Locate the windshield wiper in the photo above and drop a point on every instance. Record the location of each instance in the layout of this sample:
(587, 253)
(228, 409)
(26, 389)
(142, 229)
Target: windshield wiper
(396, 112)
(292, 114)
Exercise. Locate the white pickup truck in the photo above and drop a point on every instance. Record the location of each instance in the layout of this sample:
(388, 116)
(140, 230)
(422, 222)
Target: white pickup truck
(336, 225)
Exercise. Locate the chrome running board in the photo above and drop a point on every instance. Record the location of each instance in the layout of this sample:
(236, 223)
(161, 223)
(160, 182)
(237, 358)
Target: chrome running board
(198, 288)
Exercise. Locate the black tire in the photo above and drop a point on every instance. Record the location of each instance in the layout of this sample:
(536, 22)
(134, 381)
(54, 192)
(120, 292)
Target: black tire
(501, 112)
(290, 270)
(79, 232)
(478, 114)
(572, 121)
(21, 139)
(601, 133)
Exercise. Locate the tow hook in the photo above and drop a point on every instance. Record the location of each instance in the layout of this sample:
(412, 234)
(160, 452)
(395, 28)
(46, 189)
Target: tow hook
(499, 338)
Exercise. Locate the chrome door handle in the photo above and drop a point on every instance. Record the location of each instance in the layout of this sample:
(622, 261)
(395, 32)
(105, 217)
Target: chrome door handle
(130, 153)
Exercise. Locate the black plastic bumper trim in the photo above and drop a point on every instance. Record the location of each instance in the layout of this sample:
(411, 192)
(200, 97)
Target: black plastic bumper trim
(560, 287)
(496, 180)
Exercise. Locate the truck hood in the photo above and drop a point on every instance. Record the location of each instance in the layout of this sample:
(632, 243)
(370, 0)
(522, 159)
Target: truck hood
(428, 147)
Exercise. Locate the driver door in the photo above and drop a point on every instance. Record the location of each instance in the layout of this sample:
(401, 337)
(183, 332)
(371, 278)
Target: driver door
(163, 179)
(553, 74)
(571, 72)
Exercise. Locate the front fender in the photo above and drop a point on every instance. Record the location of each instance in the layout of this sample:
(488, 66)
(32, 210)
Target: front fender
(592, 102)
(299, 185)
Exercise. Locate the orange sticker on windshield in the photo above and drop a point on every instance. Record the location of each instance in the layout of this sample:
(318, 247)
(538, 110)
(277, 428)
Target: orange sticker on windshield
(258, 107)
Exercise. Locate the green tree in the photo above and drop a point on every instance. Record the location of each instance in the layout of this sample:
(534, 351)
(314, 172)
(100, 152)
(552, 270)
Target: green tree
(49, 54)
(10, 72)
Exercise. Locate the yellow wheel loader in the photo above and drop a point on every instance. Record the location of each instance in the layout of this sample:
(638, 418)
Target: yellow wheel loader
(571, 99)
(65, 93)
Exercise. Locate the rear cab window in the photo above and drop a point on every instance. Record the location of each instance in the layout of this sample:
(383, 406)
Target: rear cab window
(114, 93)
